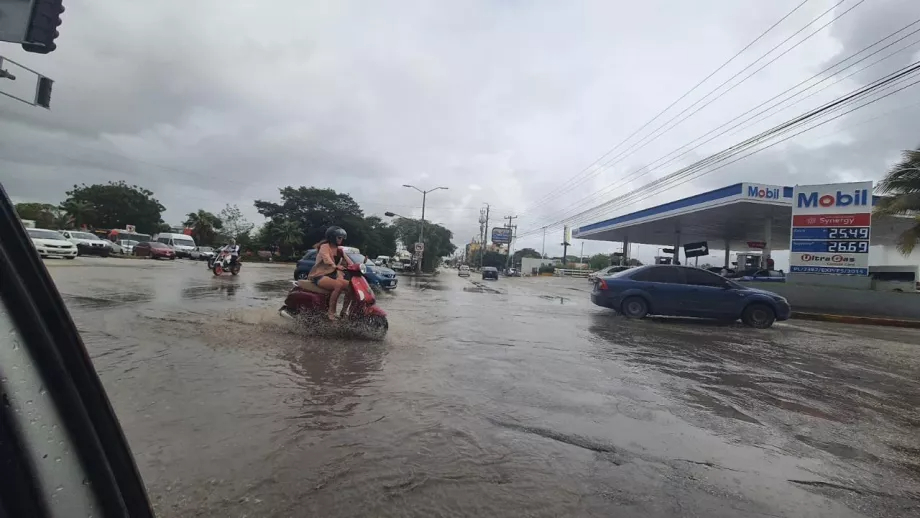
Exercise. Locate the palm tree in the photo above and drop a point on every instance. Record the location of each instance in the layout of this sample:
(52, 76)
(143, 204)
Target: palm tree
(204, 226)
(76, 213)
(288, 232)
(901, 187)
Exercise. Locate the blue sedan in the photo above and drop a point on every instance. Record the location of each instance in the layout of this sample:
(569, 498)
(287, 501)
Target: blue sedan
(377, 276)
(683, 291)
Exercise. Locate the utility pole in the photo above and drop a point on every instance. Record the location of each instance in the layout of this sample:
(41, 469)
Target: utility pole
(485, 234)
(421, 230)
(543, 253)
(511, 242)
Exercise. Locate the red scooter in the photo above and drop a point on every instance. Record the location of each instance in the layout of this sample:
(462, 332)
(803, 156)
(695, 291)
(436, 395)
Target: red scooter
(308, 300)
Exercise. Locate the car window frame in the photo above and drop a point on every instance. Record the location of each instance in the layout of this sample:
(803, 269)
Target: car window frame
(61, 360)
(718, 280)
(662, 267)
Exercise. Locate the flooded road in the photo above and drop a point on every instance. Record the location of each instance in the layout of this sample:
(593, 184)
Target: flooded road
(508, 398)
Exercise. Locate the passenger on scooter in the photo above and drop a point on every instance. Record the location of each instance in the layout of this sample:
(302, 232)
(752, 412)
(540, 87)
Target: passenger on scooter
(325, 273)
(234, 250)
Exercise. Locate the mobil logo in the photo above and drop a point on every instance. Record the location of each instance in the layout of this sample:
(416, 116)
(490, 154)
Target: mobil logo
(766, 193)
(826, 200)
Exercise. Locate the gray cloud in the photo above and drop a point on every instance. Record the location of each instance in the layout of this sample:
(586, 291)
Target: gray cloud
(207, 104)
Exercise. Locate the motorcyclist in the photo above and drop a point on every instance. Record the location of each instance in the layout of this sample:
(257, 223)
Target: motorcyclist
(233, 249)
(325, 273)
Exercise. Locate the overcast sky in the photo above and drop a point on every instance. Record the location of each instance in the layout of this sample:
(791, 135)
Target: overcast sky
(502, 101)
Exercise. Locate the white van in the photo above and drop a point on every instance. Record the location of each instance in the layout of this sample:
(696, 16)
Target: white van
(181, 243)
(463, 271)
(905, 278)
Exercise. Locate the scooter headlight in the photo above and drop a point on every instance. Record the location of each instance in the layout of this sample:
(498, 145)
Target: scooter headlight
(362, 268)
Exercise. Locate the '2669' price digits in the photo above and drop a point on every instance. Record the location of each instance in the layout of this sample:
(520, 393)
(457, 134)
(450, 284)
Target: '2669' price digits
(857, 247)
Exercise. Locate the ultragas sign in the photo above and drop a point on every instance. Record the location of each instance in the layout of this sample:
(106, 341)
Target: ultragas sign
(831, 229)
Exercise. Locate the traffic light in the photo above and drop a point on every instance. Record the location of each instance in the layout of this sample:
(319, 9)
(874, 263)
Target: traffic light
(43, 24)
(43, 92)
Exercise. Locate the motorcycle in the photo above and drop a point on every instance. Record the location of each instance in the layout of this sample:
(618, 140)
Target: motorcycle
(221, 264)
(309, 301)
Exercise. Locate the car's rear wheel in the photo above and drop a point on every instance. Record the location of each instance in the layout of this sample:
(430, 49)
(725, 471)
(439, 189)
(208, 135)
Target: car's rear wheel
(760, 316)
(634, 307)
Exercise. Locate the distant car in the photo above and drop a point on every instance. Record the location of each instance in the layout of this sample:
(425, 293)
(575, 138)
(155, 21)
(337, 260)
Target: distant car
(610, 270)
(489, 272)
(683, 291)
(377, 276)
(50, 243)
(124, 246)
(764, 276)
(154, 250)
(88, 243)
(463, 271)
(202, 253)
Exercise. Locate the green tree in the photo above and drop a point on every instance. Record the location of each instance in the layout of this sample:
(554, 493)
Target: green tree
(205, 226)
(381, 238)
(634, 262)
(437, 240)
(901, 187)
(116, 204)
(45, 215)
(78, 213)
(525, 252)
(315, 210)
(598, 261)
(494, 259)
(288, 233)
(235, 225)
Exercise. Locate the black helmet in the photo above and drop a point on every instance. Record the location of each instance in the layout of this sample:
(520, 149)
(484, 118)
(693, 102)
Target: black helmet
(335, 232)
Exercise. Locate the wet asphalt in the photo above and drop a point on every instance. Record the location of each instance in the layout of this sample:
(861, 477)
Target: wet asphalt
(508, 398)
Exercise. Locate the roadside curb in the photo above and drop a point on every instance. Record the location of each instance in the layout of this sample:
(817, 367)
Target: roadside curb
(845, 319)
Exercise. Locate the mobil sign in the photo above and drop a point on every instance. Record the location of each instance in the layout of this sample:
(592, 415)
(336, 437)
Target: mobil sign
(753, 191)
(843, 198)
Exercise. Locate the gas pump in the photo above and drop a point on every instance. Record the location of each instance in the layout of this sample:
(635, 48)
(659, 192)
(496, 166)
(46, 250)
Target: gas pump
(748, 261)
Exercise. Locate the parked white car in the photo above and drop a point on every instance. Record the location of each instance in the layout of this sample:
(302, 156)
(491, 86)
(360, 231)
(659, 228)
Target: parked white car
(610, 270)
(202, 253)
(88, 243)
(124, 246)
(463, 271)
(50, 243)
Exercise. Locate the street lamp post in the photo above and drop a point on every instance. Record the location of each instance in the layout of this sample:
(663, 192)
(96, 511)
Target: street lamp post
(421, 232)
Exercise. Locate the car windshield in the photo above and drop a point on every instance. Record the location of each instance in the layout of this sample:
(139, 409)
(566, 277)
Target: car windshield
(622, 273)
(45, 234)
(85, 235)
(205, 249)
(184, 241)
(128, 242)
(357, 258)
(137, 238)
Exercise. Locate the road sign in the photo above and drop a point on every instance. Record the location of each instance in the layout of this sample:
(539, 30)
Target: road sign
(696, 249)
(419, 247)
(501, 235)
(757, 244)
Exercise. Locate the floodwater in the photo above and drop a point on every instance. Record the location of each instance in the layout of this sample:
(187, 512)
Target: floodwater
(514, 397)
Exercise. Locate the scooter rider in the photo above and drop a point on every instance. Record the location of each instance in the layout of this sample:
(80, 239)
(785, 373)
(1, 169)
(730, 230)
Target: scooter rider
(325, 273)
(233, 249)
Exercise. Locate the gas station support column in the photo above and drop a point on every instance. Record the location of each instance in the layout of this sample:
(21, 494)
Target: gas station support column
(728, 254)
(676, 258)
(626, 251)
(768, 240)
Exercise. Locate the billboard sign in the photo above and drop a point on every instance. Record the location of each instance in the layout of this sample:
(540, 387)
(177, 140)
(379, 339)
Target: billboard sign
(501, 236)
(567, 236)
(831, 229)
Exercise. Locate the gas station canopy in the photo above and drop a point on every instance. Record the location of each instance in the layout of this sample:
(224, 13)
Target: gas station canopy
(733, 215)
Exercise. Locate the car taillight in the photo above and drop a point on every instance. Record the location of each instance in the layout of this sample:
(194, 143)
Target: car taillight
(601, 284)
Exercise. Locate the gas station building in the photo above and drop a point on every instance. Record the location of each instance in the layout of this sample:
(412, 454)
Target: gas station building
(723, 218)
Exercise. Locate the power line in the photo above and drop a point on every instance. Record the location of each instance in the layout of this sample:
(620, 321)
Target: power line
(884, 82)
(682, 97)
(632, 149)
(641, 171)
